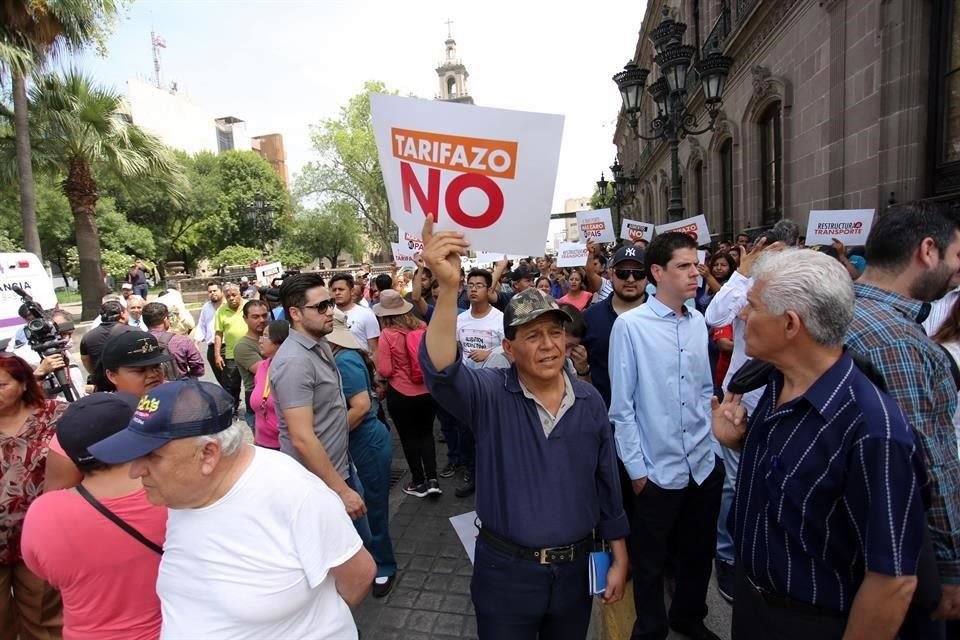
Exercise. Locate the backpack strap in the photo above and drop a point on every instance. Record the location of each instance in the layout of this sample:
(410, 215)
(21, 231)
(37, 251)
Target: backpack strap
(117, 520)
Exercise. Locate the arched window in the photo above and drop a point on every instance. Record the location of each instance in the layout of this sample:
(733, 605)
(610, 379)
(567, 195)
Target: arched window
(451, 87)
(771, 165)
(725, 154)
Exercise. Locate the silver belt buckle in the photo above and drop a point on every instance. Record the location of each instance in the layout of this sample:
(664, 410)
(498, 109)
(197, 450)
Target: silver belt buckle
(567, 552)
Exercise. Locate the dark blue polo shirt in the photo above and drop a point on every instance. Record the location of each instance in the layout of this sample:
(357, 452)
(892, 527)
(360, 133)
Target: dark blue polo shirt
(534, 490)
(599, 318)
(828, 489)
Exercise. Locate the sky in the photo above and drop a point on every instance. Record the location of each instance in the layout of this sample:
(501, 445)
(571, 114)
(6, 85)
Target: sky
(284, 65)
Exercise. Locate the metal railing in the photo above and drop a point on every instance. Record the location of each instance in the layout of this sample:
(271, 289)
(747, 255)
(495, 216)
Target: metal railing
(729, 19)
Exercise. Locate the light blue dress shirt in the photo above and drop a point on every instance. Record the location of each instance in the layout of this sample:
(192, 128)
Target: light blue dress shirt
(661, 386)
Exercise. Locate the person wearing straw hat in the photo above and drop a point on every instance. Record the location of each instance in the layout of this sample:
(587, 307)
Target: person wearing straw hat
(371, 448)
(411, 405)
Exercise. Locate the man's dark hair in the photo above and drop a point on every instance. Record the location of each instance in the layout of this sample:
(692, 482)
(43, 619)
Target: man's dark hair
(577, 327)
(250, 304)
(661, 250)
(293, 291)
(344, 277)
(383, 282)
(213, 283)
(602, 258)
(154, 313)
(898, 232)
(426, 271)
(744, 234)
(110, 311)
(481, 273)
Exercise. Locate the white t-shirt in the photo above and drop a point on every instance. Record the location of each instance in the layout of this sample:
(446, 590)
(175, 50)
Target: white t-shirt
(255, 564)
(363, 325)
(481, 334)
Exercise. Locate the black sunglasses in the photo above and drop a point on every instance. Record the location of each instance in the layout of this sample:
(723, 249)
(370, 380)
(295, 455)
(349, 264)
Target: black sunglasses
(624, 274)
(320, 307)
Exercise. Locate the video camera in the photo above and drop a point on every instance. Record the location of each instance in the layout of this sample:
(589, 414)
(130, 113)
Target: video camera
(45, 337)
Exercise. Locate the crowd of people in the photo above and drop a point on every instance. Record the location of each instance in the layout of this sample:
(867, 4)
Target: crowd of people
(781, 417)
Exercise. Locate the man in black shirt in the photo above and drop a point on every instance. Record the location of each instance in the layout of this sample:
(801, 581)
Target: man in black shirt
(113, 320)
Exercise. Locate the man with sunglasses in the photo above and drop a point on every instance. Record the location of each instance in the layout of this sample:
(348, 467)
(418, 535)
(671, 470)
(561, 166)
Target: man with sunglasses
(308, 393)
(629, 281)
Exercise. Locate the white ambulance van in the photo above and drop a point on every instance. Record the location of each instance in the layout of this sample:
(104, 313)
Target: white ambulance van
(22, 270)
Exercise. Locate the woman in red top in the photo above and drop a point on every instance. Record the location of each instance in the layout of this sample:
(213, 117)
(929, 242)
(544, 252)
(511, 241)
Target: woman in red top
(261, 399)
(411, 405)
(28, 605)
(576, 294)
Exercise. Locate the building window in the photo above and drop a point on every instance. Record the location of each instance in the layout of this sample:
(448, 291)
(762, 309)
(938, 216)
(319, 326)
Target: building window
(944, 127)
(451, 87)
(771, 165)
(726, 190)
(950, 141)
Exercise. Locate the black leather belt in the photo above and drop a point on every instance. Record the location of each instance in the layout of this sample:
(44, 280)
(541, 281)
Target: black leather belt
(546, 555)
(789, 604)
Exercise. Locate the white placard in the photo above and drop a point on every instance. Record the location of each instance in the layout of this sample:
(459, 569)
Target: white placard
(489, 173)
(849, 226)
(572, 254)
(269, 271)
(702, 259)
(695, 226)
(403, 255)
(465, 525)
(634, 230)
(595, 225)
(412, 242)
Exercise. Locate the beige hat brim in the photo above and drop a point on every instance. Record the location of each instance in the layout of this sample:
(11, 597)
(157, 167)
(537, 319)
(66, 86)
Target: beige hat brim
(343, 338)
(380, 311)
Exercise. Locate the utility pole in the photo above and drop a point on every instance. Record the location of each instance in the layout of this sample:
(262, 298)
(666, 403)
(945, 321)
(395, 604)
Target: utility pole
(156, 43)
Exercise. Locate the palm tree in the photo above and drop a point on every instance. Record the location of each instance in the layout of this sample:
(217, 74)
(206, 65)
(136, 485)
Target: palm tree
(79, 125)
(30, 31)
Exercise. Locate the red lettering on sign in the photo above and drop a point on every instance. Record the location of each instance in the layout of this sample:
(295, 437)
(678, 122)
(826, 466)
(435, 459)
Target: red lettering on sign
(465, 181)
(429, 202)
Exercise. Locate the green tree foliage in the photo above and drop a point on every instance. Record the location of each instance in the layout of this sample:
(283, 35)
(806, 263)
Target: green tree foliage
(236, 255)
(603, 202)
(347, 167)
(329, 233)
(7, 243)
(290, 257)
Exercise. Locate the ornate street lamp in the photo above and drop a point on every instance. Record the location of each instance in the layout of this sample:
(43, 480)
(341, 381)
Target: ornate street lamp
(260, 212)
(669, 92)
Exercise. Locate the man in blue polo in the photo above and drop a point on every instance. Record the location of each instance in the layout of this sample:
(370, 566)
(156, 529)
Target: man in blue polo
(546, 467)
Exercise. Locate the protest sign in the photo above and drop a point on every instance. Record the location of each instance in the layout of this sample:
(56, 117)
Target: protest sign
(488, 173)
(269, 271)
(595, 226)
(849, 226)
(410, 241)
(695, 226)
(572, 254)
(403, 255)
(702, 259)
(634, 230)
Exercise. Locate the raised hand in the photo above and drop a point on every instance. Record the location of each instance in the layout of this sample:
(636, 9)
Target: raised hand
(729, 421)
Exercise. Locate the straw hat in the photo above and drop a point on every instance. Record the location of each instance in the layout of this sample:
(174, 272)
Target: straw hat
(391, 304)
(341, 335)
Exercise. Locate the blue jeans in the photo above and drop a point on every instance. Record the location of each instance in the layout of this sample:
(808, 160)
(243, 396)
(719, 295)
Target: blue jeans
(517, 599)
(448, 427)
(371, 450)
(731, 463)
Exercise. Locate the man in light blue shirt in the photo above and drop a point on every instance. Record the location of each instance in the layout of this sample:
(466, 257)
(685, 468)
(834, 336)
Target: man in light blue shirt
(661, 387)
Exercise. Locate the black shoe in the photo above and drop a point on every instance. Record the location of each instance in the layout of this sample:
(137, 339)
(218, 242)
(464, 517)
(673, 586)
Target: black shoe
(381, 590)
(417, 490)
(694, 630)
(448, 471)
(467, 488)
(433, 488)
(725, 578)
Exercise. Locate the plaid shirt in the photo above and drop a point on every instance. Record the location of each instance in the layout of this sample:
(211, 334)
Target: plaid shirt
(917, 375)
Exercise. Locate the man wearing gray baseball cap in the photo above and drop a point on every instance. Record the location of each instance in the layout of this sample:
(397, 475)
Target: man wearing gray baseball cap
(546, 463)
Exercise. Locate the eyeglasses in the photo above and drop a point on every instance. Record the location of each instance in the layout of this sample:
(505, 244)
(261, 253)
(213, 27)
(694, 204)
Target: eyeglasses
(624, 274)
(321, 307)
(476, 285)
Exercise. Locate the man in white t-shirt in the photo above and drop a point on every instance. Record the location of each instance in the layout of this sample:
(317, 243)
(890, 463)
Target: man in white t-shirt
(298, 565)
(480, 328)
(360, 320)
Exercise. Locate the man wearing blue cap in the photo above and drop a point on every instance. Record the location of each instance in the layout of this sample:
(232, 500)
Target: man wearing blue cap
(257, 546)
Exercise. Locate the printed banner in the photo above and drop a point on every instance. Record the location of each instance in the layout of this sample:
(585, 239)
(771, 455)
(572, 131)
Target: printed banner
(412, 242)
(269, 271)
(489, 173)
(403, 255)
(849, 226)
(695, 226)
(572, 254)
(595, 226)
(634, 230)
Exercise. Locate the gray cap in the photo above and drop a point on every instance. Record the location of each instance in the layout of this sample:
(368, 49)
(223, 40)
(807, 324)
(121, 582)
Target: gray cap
(530, 304)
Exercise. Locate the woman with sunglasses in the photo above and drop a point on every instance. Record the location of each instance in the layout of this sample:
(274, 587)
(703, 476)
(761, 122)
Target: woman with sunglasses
(28, 605)
(267, 430)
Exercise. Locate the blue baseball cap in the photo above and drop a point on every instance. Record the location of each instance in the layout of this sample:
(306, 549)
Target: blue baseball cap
(170, 411)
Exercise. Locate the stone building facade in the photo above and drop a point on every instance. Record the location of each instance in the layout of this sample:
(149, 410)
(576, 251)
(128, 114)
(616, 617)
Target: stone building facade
(830, 104)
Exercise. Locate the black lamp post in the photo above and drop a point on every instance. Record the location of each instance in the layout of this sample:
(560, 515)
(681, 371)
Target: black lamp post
(673, 119)
(260, 212)
(624, 186)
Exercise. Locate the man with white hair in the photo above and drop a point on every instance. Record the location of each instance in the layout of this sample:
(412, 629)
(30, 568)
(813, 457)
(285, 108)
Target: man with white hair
(828, 519)
(257, 546)
(135, 306)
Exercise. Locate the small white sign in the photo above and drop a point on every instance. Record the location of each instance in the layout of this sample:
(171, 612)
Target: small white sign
(572, 254)
(702, 259)
(634, 230)
(595, 226)
(489, 173)
(269, 271)
(409, 240)
(465, 525)
(403, 255)
(695, 227)
(849, 226)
